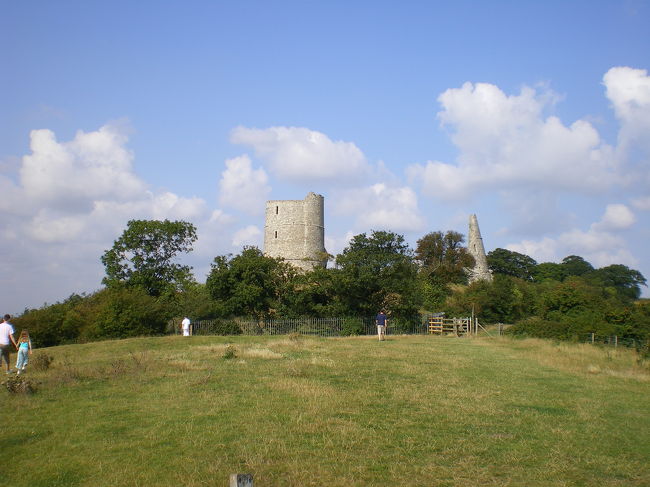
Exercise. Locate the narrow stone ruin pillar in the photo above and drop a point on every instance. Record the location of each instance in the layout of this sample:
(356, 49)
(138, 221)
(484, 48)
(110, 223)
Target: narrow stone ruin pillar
(480, 271)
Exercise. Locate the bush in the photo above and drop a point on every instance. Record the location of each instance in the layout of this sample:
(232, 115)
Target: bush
(352, 326)
(129, 312)
(230, 352)
(20, 385)
(539, 328)
(226, 328)
(41, 361)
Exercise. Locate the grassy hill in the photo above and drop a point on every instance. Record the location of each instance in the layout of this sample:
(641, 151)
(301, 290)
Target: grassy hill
(298, 411)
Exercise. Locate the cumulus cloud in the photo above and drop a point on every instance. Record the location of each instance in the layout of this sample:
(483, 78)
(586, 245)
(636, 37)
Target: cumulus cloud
(504, 141)
(616, 217)
(71, 175)
(629, 91)
(381, 207)
(250, 235)
(66, 203)
(242, 187)
(301, 155)
(601, 244)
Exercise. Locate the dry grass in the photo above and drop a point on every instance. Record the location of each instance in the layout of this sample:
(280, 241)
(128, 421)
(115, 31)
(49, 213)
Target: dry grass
(298, 411)
(581, 358)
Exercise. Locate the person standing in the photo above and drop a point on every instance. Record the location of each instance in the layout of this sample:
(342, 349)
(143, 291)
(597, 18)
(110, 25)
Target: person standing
(382, 323)
(24, 351)
(185, 326)
(6, 341)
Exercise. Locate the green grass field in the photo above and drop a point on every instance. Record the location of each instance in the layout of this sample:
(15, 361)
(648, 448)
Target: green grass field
(299, 411)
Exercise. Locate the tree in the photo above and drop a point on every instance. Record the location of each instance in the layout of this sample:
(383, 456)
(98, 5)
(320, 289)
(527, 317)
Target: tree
(144, 256)
(574, 265)
(249, 283)
(626, 281)
(510, 263)
(378, 271)
(550, 271)
(313, 293)
(443, 257)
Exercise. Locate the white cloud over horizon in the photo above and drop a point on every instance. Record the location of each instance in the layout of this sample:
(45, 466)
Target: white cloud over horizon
(601, 245)
(504, 141)
(380, 207)
(298, 154)
(242, 187)
(71, 201)
(65, 202)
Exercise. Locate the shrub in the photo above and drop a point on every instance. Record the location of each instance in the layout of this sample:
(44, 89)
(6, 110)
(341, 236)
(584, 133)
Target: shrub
(41, 361)
(230, 352)
(20, 385)
(352, 326)
(129, 312)
(226, 328)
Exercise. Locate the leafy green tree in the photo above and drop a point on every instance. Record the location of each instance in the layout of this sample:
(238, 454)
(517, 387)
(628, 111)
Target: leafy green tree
(378, 271)
(504, 300)
(626, 281)
(550, 271)
(130, 312)
(313, 293)
(443, 257)
(248, 284)
(575, 265)
(510, 263)
(144, 256)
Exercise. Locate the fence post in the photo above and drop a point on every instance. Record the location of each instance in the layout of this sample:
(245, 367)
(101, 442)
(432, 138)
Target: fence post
(615, 341)
(241, 480)
(592, 338)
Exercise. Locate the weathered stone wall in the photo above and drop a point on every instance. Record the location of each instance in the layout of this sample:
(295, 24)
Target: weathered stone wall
(295, 231)
(480, 271)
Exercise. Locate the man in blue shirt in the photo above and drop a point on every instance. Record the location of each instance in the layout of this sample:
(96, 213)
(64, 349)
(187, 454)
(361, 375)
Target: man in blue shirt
(382, 323)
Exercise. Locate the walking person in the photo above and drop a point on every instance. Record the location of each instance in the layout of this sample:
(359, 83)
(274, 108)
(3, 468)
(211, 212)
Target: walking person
(24, 351)
(185, 326)
(382, 322)
(6, 340)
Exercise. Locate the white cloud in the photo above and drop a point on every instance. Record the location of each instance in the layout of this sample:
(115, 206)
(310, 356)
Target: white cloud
(505, 142)
(71, 175)
(600, 244)
(250, 235)
(629, 91)
(336, 244)
(642, 203)
(616, 217)
(301, 155)
(381, 207)
(242, 187)
(71, 201)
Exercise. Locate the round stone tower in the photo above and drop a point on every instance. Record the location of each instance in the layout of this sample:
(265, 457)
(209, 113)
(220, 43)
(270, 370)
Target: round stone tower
(295, 231)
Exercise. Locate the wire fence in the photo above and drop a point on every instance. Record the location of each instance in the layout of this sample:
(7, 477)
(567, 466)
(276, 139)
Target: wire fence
(345, 326)
(327, 327)
(615, 341)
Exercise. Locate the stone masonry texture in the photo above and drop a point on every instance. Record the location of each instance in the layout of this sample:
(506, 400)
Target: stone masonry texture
(295, 231)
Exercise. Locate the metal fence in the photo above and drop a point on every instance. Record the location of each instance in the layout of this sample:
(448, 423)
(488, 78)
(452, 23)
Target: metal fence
(614, 341)
(328, 327)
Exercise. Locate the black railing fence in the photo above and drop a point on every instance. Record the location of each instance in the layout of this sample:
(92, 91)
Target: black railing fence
(329, 327)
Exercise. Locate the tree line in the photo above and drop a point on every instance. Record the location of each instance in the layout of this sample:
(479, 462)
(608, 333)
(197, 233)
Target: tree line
(145, 288)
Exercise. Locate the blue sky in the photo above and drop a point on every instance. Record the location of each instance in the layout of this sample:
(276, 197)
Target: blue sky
(406, 116)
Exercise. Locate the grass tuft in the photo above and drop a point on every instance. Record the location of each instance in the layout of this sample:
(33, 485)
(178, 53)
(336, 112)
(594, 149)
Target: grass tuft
(419, 410)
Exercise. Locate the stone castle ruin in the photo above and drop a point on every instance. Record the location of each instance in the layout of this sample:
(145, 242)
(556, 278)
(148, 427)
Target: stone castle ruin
(295, 231)
(480, 271)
